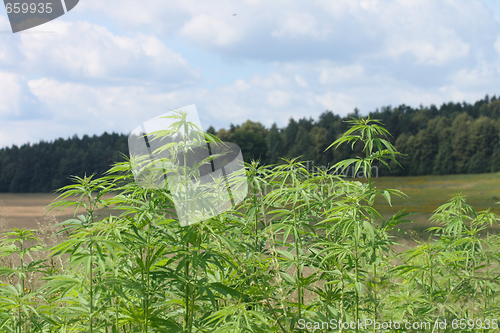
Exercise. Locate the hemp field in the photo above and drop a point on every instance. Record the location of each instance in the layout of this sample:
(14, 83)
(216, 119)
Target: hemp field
(425, 194)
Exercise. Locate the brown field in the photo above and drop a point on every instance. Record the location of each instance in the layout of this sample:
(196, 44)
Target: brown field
(31, 211)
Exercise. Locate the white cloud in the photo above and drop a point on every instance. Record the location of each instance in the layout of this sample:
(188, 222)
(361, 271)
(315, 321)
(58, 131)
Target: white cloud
(241, 85)
(81, 50)
(301, 81)
(10, 94)
(131, 14)
(16, 100)
(110, 67)
(444, 48)
(277, 98)
(432, 31)
(271, 81)
(100, 107)
(339, 102)
(300, 24)
(369, 5)
(340, 75)
(204, 29)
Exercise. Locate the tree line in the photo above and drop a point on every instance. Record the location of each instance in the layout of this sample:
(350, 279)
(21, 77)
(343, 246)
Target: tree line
(47, 166)
(455, 138)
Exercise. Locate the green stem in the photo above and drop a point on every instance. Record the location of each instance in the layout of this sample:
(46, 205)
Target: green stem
(368, 173)
(274, 260)
(374, 294)
(256, 220)
(22, 287)
(91, 288)
(473, 268)
(116, 313)
(356, 272)
(187, 309)
(297, 263)
(193, 295)
(148, 287)
(186, 295)
(431, 278)
(91, 221)
(341, 297)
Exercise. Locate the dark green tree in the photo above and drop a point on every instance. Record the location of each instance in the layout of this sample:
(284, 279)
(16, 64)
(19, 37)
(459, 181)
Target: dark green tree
(211, 130)
(275, 145)
(251, 137)
(303, 145)
(459, 142)
(290, 135)
(483, 138)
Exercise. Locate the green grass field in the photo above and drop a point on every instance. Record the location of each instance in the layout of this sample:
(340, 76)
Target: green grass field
(426, 193)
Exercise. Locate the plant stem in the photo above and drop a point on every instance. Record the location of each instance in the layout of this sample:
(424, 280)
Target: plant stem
(356, 272)
(91, 287)
(187, 327)
(148, 287)
(297, 263)
(374, 295)
(275, 262)
(342, 297)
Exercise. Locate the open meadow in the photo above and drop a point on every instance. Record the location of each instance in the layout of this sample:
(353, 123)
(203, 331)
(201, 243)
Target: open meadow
(425, 194)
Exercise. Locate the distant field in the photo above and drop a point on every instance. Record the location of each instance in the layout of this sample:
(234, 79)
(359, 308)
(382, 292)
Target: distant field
(426, 193)
(29, 210)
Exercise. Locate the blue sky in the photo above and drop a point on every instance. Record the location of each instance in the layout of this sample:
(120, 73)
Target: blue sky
(111, 65)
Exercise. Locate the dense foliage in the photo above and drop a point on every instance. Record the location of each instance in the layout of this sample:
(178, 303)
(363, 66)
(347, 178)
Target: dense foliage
(453, 139)
(303, 248)
(47, 166)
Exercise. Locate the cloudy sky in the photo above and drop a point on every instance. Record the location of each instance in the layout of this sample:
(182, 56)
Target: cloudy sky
(111, 65)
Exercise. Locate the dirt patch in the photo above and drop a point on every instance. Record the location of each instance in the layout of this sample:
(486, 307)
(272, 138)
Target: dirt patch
(31, 211)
